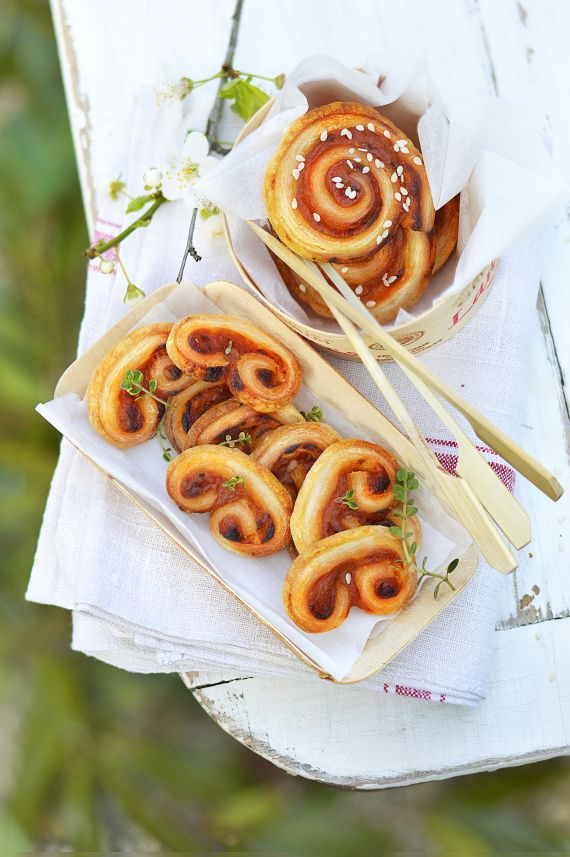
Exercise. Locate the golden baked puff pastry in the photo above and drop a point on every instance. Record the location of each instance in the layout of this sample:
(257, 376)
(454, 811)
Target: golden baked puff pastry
(249, 509)
(364, 567)
(347, 186)
(446, 229)
(188, 406)
(234, 424)
(258, 369)
(120, 418)
(349, 485)
(290, 451)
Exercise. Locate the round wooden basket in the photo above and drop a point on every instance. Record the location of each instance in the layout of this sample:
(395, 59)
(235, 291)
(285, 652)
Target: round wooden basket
(431, 328)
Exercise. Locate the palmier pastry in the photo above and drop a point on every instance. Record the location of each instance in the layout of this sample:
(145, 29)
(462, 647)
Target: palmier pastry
(364, 567)
(186, 407)
(348, 187)
(224, 423)
(258, 370)
(350, 484)
(249, 509)
(122, 419)
(290, 451)
(446, 229)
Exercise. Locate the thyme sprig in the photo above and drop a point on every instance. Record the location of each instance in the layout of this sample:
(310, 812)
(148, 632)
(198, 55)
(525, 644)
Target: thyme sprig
(242, 437)
(406, 481)
(166, 450)
(132, 384)
(315, 415)
(233, 482)
(348, 499)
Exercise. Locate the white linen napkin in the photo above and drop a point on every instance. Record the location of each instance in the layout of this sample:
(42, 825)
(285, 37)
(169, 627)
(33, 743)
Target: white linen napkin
(91, 532)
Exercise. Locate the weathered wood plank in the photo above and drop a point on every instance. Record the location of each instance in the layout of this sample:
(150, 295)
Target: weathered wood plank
(362, 739)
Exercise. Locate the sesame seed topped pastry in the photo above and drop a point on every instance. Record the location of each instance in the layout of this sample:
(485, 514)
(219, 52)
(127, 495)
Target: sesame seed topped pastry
(364, 567)
(257, 368)
(346, 186)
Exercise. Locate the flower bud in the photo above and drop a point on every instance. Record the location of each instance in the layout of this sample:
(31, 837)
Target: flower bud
(152, 177)
(106, 266)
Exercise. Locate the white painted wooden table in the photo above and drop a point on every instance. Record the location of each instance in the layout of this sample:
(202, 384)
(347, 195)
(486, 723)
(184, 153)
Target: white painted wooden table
(519, 50)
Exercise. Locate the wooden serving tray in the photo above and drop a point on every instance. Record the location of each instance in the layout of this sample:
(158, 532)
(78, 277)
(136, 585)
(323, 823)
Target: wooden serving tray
(331, 387)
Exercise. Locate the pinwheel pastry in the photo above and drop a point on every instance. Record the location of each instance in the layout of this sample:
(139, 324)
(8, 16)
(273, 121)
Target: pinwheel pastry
(346, 186)
(126, 418)
(350, 484)
(364, 567)
(290, 451)
(249, 508)
(232, 424)
(186, 407)
(257, 368)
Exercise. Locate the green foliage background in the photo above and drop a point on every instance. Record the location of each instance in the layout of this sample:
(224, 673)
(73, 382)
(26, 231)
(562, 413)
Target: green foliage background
(92, 758)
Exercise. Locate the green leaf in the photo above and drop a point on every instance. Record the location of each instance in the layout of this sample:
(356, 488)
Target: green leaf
(246, 97)
(402, 475)
(206, 213)
(152, 385)
(315, 415)
(411, 511)
(436, 590)
(399, 492)
(138, 202)
(452, 565)
(138, 376)
(396, 531)
(413, 484)
(413, 548)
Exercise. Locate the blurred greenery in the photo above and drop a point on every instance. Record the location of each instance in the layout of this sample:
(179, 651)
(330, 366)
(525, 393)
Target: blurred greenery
(96, 759)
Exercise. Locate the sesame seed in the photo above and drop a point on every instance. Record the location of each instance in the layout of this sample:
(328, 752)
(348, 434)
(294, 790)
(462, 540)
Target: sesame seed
(396, 147)
(359, 127)
(324, 136)
(384, 234)
(418, 161)
(337, 179)
(387, 224)
(351, 151)
(358, 160)
(299, 157)
(387, 134)
(378, 239)
(403, 191)
(293, 203)
(344, 270)
(379, 164)
(339, 185)
(402, 142)
(371, 126)
(346, 133)
(370, 303)
(348, 576)
(316, 216)
(394, 177)
(369, 157)
(366, 169)
(302, 287)
(358, 290)
(353, 195)
(362, 149)
(398, 196)
(399, 170)
(392, 280)
(295, 174)
(350, 164)
(348, 191)
(301, 166)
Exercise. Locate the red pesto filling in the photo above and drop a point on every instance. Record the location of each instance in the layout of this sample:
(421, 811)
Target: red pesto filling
(308, 197)
(204, 341)
(335, 513)
(323, 593)
(256, 425)
(201, 402)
